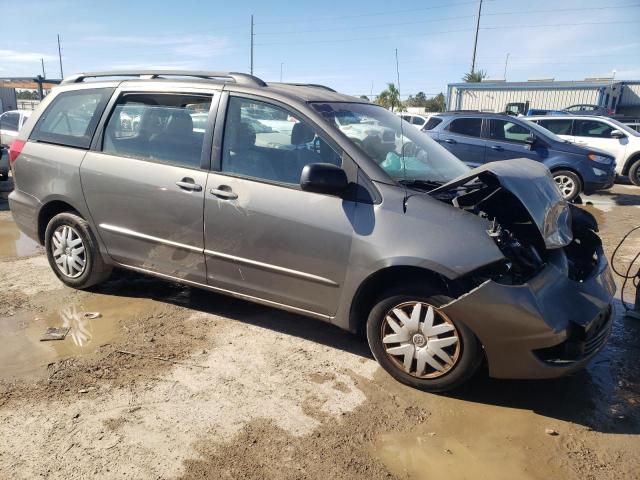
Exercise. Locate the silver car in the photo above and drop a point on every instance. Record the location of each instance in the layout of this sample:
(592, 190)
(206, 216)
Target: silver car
(272, 200)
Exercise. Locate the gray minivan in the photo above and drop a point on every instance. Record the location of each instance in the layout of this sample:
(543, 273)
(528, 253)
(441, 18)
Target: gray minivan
(304, 199)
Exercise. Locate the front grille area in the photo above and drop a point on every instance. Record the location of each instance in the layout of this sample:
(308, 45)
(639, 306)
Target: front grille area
(581, 343)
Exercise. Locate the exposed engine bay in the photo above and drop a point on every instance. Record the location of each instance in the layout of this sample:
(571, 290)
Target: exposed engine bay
(528, 220)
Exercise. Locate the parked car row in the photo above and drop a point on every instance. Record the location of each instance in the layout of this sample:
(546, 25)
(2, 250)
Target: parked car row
(478, 138)
(603, 133)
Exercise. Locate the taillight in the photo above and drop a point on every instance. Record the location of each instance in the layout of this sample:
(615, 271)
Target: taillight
(15, 149)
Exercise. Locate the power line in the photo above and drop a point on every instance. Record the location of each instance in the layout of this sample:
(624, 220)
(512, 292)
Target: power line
(385, 13)
(434, 20)
(404, 35)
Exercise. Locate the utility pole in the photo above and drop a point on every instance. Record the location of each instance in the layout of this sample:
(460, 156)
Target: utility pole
(44, 75)
(60, 57)
(475, 42)
(506, 62)
(251, 68)
(281, 64)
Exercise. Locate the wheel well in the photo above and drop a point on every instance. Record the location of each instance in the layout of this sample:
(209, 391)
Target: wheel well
(629, 162)
(47, 212)
(371, 289)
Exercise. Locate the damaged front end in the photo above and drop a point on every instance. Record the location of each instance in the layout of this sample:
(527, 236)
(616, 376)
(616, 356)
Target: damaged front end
(545, 309)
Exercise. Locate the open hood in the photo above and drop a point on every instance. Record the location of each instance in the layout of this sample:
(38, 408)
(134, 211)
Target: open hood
(531, 183)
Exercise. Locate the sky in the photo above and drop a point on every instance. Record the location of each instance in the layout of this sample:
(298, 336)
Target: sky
(348, 45)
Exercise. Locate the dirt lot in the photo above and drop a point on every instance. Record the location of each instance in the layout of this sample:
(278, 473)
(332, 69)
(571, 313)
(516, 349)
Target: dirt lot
(173, 382)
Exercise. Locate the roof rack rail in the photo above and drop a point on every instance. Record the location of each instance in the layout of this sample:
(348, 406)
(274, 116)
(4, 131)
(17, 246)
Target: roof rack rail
(312, 85)
(239, 78)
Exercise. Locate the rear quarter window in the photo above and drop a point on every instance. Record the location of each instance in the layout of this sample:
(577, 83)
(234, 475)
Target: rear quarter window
(72, 117)
(559, 127)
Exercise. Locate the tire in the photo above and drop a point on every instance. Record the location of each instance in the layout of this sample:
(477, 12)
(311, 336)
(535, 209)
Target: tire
(634, 173)
(66, 233)
(569, 184)
(465, 354)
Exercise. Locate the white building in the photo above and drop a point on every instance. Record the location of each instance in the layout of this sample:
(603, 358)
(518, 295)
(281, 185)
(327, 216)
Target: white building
(493, 96)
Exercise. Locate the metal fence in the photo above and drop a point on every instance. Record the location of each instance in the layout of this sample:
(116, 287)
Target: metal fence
(27, 104)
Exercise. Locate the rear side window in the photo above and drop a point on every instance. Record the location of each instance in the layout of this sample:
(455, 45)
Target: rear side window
(167, 128)
(466, 126)
(417, 121)
(559, 127)
(432, 123)
(592, 128)
(9, 121)
(72, 117)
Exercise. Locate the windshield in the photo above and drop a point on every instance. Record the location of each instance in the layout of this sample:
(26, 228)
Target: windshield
(402, 151)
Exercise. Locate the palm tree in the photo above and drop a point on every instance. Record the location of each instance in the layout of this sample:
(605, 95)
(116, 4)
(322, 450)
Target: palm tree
(474, 76)
(389, 97)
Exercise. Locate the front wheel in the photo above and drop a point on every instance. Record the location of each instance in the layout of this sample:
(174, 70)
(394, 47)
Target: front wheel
(634, 173)
(73, 252)
(418, 344)
(569, 184)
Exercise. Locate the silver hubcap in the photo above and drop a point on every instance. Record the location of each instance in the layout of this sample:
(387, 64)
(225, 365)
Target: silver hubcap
(420, 339)
(566, 185)
(68, 251)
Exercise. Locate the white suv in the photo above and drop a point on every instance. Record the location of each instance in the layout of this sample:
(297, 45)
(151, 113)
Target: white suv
(604, 133)
(418, 121)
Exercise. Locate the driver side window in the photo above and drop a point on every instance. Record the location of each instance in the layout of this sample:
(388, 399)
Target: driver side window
(266, 142)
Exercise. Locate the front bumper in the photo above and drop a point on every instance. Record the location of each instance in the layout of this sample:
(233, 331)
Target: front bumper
(601, 179)
(548, 327)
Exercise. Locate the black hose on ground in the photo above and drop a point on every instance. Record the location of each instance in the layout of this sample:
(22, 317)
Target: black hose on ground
(635, 277)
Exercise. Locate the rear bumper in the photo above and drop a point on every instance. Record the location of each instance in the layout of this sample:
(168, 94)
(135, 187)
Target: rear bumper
(25, 208)
(546, 328)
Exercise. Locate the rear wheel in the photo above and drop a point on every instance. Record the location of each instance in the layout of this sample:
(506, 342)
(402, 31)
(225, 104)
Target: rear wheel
(418, 344)
(568, 182)
(634, 172)
(73, 252)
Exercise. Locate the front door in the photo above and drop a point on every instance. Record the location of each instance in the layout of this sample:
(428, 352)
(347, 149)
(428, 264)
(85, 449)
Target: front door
(506, 140)
(264, 236)
(597, 134)
(462, 137)
(145, 188)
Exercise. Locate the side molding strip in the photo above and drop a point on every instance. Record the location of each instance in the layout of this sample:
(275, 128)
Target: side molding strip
(275, 268)
(133, 233)
(224, 256)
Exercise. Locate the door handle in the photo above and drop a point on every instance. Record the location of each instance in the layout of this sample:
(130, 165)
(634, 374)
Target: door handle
(224, 192)
(450, 140)
(497, 148)
(189, 184)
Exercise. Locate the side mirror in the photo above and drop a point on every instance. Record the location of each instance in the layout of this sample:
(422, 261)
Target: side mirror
(617, 134)
(323, 178)
(531, 140)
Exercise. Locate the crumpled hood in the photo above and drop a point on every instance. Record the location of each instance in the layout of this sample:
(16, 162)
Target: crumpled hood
(532, 184)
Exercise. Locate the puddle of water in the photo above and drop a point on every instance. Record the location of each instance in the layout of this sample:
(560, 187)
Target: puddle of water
(14, 243)
(23, 355)
(468, 440)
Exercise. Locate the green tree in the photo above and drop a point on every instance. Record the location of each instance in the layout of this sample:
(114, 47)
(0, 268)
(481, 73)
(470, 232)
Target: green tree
(474, 76)
(389, 98)
(436, 104)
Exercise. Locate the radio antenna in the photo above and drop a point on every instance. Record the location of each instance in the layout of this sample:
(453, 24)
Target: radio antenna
(404, 168)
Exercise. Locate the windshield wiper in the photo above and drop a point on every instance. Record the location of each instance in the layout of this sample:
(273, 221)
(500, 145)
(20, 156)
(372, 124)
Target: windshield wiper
(413, 182)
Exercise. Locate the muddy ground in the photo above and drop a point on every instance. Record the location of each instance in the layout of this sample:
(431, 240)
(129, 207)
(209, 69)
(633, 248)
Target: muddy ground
(173, 382)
